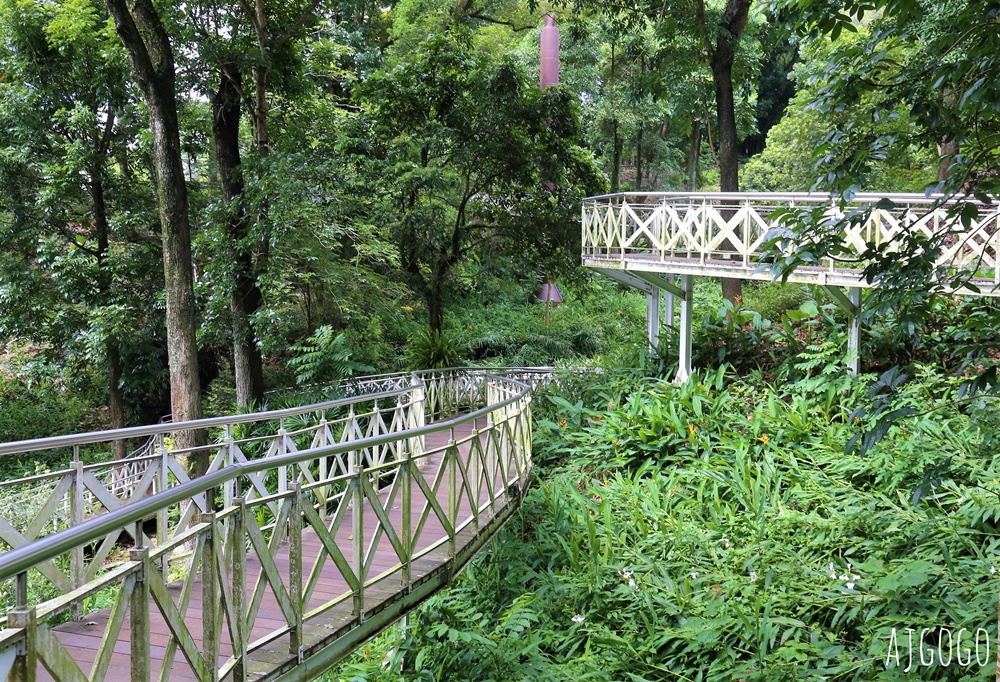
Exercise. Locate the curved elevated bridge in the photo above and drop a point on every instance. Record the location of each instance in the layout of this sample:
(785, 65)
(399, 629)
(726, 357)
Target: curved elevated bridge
(657, 242)
(314, 529)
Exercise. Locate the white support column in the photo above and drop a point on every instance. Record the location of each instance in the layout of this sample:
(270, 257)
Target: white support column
(668, 304)
(687, 307)
(653, 317)
(854, 332)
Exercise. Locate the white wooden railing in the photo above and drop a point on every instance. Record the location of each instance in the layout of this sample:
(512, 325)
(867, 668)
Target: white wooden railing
(725, 234)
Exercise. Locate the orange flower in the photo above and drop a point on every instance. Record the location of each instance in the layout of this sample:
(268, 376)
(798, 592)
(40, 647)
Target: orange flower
(691, 429)
(764, 439)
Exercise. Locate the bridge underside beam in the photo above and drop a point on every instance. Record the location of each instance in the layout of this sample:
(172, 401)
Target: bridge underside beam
(841, 277)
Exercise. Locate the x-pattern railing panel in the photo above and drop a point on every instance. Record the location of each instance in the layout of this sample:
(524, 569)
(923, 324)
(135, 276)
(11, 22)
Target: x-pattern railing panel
(314, 522)
(726, 233)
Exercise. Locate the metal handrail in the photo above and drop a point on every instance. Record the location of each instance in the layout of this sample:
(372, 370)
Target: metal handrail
(69, 440)
(812, 197)
(21, 559)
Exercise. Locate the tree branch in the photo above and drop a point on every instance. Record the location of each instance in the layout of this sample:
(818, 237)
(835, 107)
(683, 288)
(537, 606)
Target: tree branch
(303, 18)
(502, 22)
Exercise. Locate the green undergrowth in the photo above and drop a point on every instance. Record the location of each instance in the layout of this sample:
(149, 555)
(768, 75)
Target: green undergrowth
(718, 531)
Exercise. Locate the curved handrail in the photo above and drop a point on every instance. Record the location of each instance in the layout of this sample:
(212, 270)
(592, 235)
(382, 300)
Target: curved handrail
(21, 559)
(90, 437)
(383, 507)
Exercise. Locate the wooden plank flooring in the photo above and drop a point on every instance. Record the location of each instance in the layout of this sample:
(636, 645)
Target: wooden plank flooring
(82, 639)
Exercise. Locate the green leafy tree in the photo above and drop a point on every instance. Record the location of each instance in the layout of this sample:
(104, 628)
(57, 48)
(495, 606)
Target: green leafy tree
(77, 249)
(151, 56)
(470, 151)
(938, 63)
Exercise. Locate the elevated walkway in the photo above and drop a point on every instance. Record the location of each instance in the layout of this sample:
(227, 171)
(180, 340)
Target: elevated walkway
(657, 242)
(315, 528)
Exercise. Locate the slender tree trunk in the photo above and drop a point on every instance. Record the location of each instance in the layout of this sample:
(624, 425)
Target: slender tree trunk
(946, 150)
(435, 308)
(729, 167)
(152, 60)
(638, 159)
(616, 161)
(694, 155)
(116, 403)
(616, 148)
(246, 298)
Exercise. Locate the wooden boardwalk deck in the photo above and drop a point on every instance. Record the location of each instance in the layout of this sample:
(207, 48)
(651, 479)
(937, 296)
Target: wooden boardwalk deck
(386, 584)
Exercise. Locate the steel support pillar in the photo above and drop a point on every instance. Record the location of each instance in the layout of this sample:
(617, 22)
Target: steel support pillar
(668, 304)
(684, 342)
(653, 317)
(854, 332)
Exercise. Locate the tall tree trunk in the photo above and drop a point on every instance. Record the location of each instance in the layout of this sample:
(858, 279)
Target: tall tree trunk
(638, 159)
(152, 60)
(435, 308)
(694, 155)
(616, 147)
(116, 403)
(616, 161)
(245, 299)
(729, 33)
(946, 150)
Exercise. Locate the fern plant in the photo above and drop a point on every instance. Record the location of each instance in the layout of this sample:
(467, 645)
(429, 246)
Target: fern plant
(430, 349)
(325, 357)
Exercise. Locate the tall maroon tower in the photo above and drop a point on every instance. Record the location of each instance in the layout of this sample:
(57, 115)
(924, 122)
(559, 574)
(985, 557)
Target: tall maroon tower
(550, 53)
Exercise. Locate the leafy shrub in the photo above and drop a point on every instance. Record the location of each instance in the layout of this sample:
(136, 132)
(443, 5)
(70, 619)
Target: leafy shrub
(39, 411)
(324, 357)
(717, 531)
(430, 349)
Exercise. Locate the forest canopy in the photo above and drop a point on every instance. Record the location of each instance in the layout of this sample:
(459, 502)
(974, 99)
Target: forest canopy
(185, 208)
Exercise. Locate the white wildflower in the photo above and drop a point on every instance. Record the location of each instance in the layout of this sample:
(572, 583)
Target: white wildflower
(993, 569)
(577, 618)
(725, 542)
(694, 576)
(753, 576)
(631, 583)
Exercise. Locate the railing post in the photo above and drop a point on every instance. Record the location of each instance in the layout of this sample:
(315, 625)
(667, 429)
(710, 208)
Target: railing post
(243, 630)
(358, 535)
(229, 491)
(406, 511)
(324, 467)
(139, 633)
(282, 470)
(295, 569)
(22, 616)
(162, 530)
(451, 454)
(76, 558)
(209, 598)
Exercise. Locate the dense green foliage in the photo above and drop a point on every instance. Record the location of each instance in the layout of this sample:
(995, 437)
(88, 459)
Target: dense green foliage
(717, 529)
